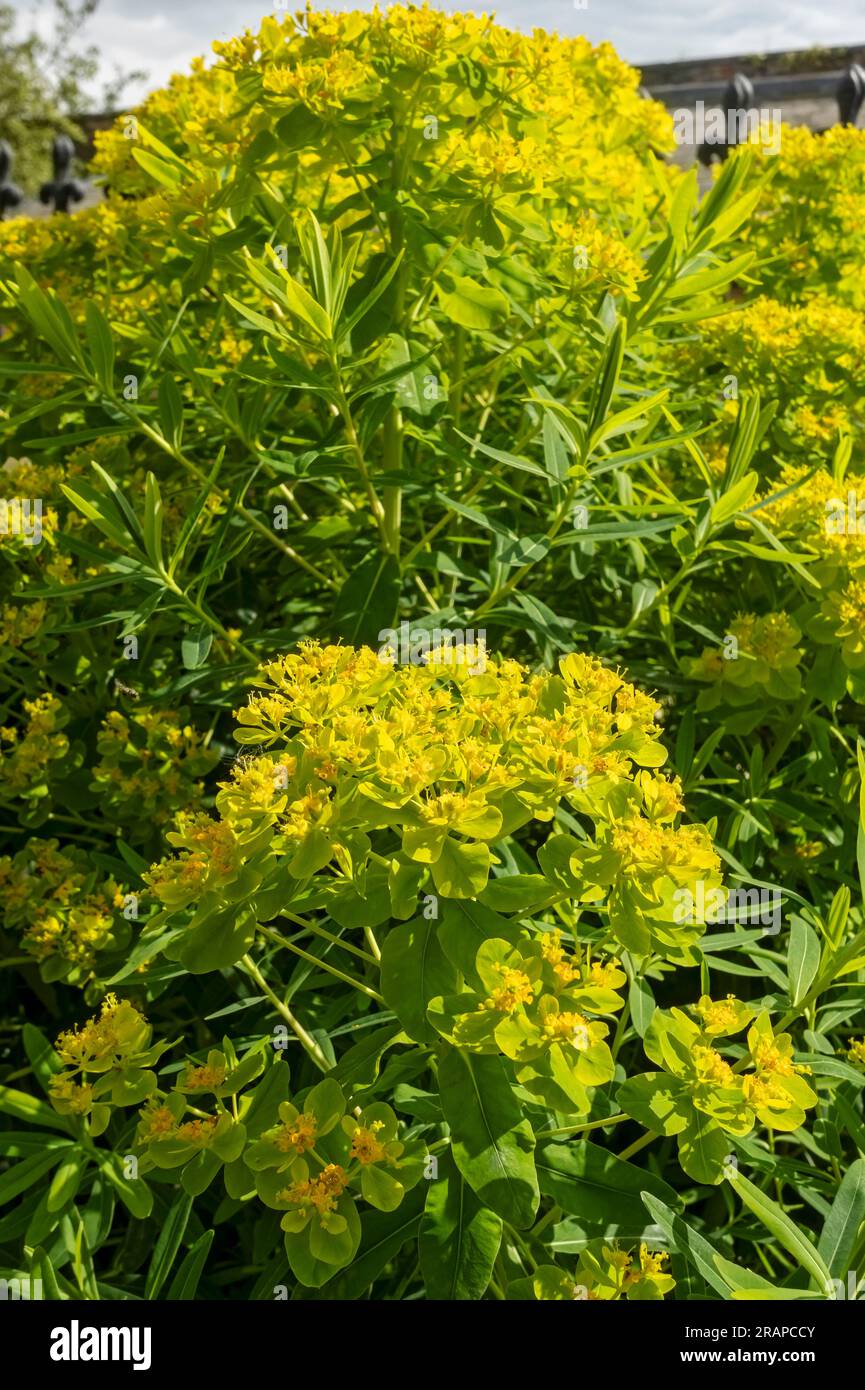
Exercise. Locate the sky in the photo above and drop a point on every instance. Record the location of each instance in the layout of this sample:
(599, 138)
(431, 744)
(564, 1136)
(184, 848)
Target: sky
(162, 37)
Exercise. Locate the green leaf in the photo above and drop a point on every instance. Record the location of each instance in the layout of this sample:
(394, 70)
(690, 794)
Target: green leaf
(67, 1179)
(735, 499)
(21, 1106)
(462, 868)
(414, 969)
(92, 506)
(501, 456)
(493, 1143)
(785, 1231)
(708, 278)
(256, 319)
(840, 1232)
(153, 516)
(42, 1268)
(404, 367)
(362, 309)
(744, 1282)
(607, 378)
(170, 409)
(689, 1243)
(100, 343)
(195, 647)
(803, 959)
(301, 303)
(24, 1174)
(42, 1057)
(167, 1245)
(185, 1282)
(82, 1255)
(383, 1235)
(134, 1193)
(464, 928)
(632, 415)
(160, 169)
(366, 605)
(703, 1149)
(642, 1004)
(216, 942)
(51, 319)
(657, 1101)
(459, 1238)
(472, 305)
(603, 1190)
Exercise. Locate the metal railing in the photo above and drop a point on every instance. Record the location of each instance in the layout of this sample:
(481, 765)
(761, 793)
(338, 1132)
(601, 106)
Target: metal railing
(739, 97)
(58, 193)
(743, 94)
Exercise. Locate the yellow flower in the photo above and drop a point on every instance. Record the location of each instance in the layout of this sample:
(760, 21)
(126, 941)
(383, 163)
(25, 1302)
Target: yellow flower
(70, 1097)
(298, 1135)
(365, 1147)
(516, 989)
(155, 1122)
(321, 1192)
(572, 1028)
(712, 1068)
(117, 1033)
(204, 1078)
(652, 1264)
(721, 1015)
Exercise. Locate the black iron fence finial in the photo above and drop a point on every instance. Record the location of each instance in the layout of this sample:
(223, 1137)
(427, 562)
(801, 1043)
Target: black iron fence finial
(851, 94)
(10, 194)
(63, 188)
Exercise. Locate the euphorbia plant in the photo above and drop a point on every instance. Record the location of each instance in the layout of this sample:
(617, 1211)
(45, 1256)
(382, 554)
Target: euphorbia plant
(404, 319)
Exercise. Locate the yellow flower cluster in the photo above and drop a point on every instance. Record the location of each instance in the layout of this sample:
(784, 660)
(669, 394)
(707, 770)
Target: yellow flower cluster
(604, 1273)
(813, 508)
(557, 118)
(447, 759)
(209, 856)
(811, 219)
(593, 257)
(64, 909)
(21, 622)
(823, 515)
(117, 1033)
(783, 350)
(28, 751)
(760, 656)
(149, 766)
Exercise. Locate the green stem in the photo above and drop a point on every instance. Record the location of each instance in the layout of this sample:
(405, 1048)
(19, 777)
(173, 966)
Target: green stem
(197, 473)
(583, 1129)
(326, 936)
(323, 965)
(393, 439)
(209, 621)
(456, 394)
(304, 1038)
(373, 498)
(562, 513)
(638, 1144)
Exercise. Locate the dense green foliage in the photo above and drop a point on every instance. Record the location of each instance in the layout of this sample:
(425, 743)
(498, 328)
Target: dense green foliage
(432, 690)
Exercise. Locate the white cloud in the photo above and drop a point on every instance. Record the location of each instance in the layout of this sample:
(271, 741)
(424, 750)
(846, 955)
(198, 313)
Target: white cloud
(167, 38)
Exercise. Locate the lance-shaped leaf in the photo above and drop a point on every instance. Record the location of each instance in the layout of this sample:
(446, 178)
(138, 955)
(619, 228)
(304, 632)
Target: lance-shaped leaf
(493, 1144)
